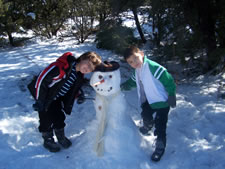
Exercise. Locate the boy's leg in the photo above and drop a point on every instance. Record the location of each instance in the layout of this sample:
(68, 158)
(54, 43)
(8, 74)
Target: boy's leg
(147, 116)
(53, 118)
(58, 126)
(160, 131)
(58, 117)
(45, 127)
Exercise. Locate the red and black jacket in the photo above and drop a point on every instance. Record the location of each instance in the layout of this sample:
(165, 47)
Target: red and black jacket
(47, 84)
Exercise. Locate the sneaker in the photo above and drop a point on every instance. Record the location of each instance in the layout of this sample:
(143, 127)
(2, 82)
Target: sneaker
(159, 151)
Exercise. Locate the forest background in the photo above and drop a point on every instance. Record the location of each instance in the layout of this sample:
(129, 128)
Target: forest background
(187, 31)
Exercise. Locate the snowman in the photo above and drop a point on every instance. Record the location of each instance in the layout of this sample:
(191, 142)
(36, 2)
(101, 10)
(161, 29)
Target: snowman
(116, 132)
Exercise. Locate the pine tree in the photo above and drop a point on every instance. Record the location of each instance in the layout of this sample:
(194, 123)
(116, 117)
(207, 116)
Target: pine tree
(12, 19)
(50, 16)
(133, 5)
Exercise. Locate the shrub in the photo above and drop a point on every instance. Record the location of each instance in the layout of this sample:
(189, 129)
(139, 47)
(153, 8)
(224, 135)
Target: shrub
(115, 38)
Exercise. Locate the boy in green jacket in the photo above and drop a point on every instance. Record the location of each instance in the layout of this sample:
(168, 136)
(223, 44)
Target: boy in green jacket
(156, 92)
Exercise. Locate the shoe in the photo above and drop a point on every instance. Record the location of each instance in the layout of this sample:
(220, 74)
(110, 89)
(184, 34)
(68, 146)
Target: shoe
(146, 128)
(62, 140)
(159, 151)
(49, 142)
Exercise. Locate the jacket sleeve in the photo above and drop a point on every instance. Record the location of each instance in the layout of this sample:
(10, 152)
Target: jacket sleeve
(168, 82)
(161, 73)
(44, 81)
(130, 83)
(69, 98)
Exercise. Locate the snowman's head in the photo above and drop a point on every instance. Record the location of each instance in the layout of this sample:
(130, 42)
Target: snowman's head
(106, 81)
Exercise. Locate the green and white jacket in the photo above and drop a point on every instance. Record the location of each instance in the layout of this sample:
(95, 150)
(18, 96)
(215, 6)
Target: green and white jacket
(157, 83)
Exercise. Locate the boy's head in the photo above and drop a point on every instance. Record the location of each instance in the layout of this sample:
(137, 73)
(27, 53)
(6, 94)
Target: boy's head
(134, 57)
(88, 61)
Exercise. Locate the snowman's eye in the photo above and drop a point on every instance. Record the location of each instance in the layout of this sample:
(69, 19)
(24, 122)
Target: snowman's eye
(100, 76)
(110, 76)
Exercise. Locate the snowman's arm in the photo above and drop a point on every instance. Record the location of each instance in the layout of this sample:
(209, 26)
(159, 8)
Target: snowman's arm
(100, 107)
(99, 146)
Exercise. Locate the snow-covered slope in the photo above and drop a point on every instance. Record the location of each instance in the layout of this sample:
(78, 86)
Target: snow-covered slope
(196, 127)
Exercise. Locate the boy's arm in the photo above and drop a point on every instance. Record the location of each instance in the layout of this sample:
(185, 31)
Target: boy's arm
(161, 73)
(129, 84)
(42, 86)
(43, 82)
(168, 82)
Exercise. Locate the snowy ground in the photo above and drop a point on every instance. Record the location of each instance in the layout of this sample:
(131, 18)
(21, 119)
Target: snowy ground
(196, 127)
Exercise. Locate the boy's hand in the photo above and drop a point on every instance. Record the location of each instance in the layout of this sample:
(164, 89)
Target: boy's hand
(172, 101)
(124, 87)
(80, 99)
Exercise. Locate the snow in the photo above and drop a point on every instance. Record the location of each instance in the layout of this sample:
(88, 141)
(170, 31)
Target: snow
(195, 133)
(32, 15)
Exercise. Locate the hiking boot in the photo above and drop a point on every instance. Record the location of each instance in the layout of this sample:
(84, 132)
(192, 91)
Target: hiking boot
(49, 142)
(62, 140)
(159, 150)
(146, 128)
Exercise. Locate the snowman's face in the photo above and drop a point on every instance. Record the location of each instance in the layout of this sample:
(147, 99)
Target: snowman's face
(106, 83)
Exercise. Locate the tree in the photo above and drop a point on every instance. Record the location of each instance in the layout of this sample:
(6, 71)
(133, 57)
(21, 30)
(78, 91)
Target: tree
(220, 24)
(194, 26)
(206, 19)
(103, 11)
(12, 18)
(123, 5)
(50, 15)
(116, 38)
(83, 15)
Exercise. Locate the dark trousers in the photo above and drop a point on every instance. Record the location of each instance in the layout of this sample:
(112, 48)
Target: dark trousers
(160, 120)
(53, 118)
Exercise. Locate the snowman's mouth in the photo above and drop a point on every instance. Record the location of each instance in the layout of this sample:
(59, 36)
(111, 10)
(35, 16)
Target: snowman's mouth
(101, 90)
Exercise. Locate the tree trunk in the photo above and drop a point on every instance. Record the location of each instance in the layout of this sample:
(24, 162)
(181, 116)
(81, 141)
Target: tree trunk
(134, 10)
(207, 23)
(11, 41)
(201, 16)
(207, 26)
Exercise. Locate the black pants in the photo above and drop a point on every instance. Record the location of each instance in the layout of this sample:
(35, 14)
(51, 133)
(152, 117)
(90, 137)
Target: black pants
(160, 120)
(53, 118)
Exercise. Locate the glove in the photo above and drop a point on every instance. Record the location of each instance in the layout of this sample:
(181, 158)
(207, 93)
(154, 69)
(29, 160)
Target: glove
(39, 106)
(80, 99)
(172, 101)
(124, 87)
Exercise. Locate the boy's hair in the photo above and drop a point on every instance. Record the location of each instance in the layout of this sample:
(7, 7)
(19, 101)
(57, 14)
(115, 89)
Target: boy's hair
(130, 51)
(92, 56)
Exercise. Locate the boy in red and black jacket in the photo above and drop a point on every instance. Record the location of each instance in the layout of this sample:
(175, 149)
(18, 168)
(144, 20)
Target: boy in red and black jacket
(55, 90)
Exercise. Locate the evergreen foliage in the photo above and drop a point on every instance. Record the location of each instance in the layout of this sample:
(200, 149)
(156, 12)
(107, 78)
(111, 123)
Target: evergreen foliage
(133, 5)
(184, 30)
(12, 19)
(188, 29)
(115, 38)
(83, 14)
(50, 15)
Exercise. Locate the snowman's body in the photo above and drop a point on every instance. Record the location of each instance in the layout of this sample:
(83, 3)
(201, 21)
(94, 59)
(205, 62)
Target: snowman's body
(116, 131)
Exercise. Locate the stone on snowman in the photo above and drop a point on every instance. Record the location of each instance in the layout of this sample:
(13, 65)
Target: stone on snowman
(116, 131)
